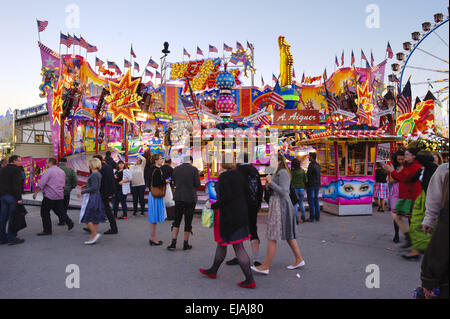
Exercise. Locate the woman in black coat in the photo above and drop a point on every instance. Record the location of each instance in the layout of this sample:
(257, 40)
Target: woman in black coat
(231, 223)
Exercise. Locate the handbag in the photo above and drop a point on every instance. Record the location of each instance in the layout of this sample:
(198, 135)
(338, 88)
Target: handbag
(168, 198)
(18, 219)
(293, 195)
(207, 217)
(84, 202)
(157, 191)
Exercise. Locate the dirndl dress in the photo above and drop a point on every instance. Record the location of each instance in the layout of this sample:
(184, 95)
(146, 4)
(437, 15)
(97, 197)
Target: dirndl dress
(156, 209)
(239, 236)
(381, 190)
(95, 211)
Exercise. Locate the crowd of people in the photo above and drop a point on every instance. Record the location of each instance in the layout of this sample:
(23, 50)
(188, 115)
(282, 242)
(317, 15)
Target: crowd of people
(414, 186)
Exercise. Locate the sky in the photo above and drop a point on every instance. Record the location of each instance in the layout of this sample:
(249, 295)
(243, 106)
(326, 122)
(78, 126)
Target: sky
(317, 31)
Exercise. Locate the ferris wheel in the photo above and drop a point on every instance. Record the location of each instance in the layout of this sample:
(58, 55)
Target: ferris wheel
(425, 61)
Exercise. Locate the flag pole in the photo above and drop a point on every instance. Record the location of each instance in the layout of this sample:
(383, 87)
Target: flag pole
(39, 34)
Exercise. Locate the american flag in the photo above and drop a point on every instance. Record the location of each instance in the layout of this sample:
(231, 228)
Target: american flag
(276, 98)
(342, 58)
(116, 68)
(83, 43)
(111, 65)
(262, 81)
(186, 53)
(274, 78)
(250, 46)
(148, 73)
(76, 41)
(404, 100)
(227, 48)
(303, 77)
(136, 67)
(336, 61)
(126, 63)
(42, 25)
(239, 46)
(333, 105)
(367, 65)
(91, 48)
(372, 60)
(293, 72)
(363, 117)
(264, 120)
(363, 56)
(234, 60)
(152, 63)
(199, 51)
(98, 62)
(132, 52)
(213, 49)
(325, 76)
(188, 106)
(65, 40)
(352, 62)
(158, 75)
(389, 51)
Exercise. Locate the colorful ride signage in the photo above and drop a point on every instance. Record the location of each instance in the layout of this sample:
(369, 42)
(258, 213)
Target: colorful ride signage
(296, 117)
(123, 99)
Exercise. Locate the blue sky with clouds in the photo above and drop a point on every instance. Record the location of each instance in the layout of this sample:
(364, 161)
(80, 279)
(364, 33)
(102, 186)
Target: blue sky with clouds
(316, 30)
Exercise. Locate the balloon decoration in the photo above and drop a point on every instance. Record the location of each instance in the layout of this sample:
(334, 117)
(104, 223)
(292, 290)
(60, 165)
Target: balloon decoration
(225, 102)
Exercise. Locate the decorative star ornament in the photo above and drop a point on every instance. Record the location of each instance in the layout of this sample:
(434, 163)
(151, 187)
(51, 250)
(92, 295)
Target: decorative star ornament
(57, 103)
(50, 63)
(123, 99)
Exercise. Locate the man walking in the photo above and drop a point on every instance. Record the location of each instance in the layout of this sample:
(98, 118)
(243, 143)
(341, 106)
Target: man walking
(254, 199)
(52, 184)
(313, 187)
(107, 191)
(71, 183)
(110, 161)
(11, 189)
(186, 180)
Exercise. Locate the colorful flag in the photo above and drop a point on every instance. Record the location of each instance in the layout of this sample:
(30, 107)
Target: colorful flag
(148, 73)
(263, 120)
(389, 51)
(363, 56)
(126, 63)
(336, 61)
(136, 67)
(188, 106)
(363, 116)
(276, 98)
(186, 53)
(262, 81)
(227, 48)
(404, 100)
(274, 78)
(132, 52)
(83, 43)
(111, 65)
(217, 61)
(76, 41)
(42, 25)
(342, 58)
(303, 77)
(352, 62)
(199, 51)
(250, 46)
(91, 48)
(98, 62)
(371, 58)
(152, 63)
(333, 105)
(234, 60)
(65, 40)
(239, 46)
(213, 49)
(158, 75)
(117, 69)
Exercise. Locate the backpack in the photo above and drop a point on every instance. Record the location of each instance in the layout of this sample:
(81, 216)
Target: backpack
(293, 195)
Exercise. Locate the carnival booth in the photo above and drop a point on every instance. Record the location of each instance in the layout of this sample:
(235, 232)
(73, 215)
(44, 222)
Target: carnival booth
(347, 158)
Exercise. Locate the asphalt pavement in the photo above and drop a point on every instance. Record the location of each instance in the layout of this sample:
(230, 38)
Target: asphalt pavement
(337, 251)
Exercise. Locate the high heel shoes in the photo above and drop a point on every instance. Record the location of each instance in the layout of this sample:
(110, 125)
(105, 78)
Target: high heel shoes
(152, 243)
(203, 271)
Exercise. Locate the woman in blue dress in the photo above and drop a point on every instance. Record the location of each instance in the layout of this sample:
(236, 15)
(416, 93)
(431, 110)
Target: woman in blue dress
(95, 211)
(156, 206)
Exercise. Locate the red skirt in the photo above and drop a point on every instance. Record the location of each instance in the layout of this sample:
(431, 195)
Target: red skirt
(239, 236)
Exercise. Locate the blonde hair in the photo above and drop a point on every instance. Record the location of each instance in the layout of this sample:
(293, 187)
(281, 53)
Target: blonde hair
(95, 164)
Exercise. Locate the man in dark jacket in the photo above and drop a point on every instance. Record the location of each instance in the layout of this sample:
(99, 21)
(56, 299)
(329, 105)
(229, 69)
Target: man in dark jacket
(11, 189)
(313, 187)
(186, 180)
(107, 191)
(254, 195)
(110, 161)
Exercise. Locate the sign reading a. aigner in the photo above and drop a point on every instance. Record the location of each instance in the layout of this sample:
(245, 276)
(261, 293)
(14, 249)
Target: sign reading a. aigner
(296, 117)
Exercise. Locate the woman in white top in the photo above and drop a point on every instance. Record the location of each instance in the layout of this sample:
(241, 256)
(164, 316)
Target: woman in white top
(123, 178)
(138, 184)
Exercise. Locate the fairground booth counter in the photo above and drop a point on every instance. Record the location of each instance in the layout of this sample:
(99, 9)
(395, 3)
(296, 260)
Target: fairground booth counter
(347, 158)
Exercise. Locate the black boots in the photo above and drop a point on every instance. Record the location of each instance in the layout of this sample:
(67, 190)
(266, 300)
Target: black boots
(408, 241)
(186, 246)
(173, 245)
(396, 229)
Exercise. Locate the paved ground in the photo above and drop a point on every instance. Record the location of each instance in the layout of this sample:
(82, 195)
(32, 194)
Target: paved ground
(336, 250)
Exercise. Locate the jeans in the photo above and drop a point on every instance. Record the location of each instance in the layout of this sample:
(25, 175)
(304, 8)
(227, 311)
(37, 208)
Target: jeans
(313, 201)
(301, 196)
(122, 199)
(58, 208)
(138, 193)
(8, 206)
